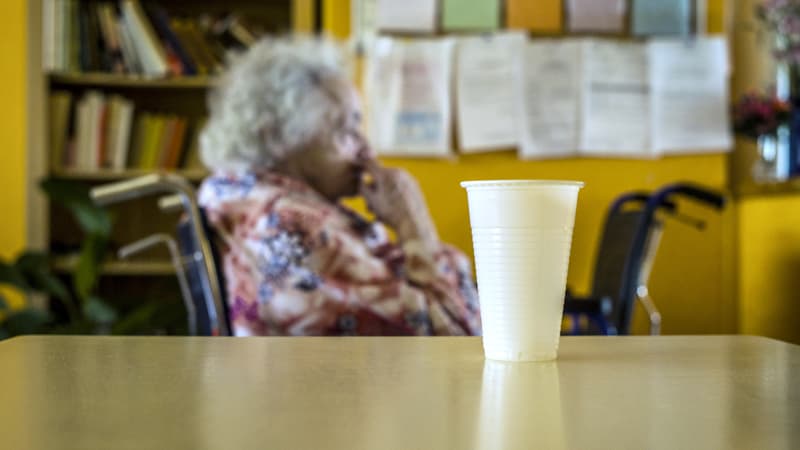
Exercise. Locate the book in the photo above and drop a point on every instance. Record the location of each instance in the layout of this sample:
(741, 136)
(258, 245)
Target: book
(110, 37)
(60, 103)
(164, 141)
(49, 42)
(535, 15)
(73, 47)
(87, 143)
(470, 14)
(148, 47)
(172, 154)
(205, 52)
(132, 62)
(659, 17)
(181, 29)
(122, 122)
(137, 140)
(115, 131)
(161, 22)
(153, 132)
(191, 155)
(607, 16)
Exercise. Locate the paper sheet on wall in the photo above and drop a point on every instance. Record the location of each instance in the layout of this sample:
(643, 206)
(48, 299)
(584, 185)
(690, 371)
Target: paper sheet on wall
(408, 96)
(470, 14)
(549, 105)
(689, 92)
(406, 15)
(615, 111)
(659, 17)
(605, 16)
(542, 15)
(363, 24)
(487, 88)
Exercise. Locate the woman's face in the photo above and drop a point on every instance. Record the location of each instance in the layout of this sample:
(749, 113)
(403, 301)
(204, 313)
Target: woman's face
(335, 165)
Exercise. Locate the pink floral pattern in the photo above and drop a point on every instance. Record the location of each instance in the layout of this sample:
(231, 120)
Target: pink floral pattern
(296, 264)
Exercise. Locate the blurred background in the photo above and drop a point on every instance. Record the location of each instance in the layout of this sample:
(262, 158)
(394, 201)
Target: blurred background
(70, 65)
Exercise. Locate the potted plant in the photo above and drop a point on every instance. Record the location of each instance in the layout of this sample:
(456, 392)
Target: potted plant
(765, 119)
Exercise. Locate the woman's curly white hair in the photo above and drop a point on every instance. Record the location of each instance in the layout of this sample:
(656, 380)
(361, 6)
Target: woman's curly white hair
(273, 99)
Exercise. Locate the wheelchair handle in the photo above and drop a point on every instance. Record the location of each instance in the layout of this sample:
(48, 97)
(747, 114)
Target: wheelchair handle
(694, 192)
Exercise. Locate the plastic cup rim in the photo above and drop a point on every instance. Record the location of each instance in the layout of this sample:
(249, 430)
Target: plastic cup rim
(521, 183)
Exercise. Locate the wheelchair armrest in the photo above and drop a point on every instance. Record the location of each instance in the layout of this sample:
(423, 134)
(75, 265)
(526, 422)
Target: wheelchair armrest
(591, 306)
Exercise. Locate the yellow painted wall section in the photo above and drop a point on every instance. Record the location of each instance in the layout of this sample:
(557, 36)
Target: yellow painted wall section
(13, 126)
(13, 115)
(689, 278)
(769, 267)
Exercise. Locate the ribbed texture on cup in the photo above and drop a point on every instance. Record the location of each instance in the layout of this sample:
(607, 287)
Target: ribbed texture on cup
(521, 282)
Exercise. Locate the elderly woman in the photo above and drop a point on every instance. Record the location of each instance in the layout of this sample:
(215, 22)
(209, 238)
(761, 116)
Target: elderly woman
(284, 145)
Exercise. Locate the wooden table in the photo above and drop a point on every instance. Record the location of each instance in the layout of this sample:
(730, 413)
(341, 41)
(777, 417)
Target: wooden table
(397, 393)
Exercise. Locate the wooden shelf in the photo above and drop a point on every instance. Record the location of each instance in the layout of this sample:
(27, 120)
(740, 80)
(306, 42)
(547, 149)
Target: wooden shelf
(112, 175)
(788, 187)
(129, 81)
(121, 268)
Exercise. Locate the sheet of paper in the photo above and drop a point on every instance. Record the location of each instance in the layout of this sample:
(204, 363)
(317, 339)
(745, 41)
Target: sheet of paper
(689, 90)
(615, 107)
(470, 14)
(700, 17)
(539, 15)
(408, 96)
(406, 15)
(363, 23)
(549, 104)
(660, 17)
(487, 88)
(607, 16)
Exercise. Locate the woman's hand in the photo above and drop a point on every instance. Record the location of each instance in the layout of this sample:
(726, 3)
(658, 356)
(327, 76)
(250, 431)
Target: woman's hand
(395, 198)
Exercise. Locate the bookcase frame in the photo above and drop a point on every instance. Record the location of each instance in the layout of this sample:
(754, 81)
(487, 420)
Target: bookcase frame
(305, 18)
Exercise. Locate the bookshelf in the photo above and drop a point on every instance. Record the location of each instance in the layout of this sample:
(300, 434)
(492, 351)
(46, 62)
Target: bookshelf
(171, 95)
(116, 175)
(105, 80)
(121, 268)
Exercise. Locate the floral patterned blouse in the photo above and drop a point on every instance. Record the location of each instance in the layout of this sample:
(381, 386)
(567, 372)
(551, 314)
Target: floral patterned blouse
(296, 264)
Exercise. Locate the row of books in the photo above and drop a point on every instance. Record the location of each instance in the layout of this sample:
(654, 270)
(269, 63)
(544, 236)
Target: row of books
(104, 132)
(131, 38)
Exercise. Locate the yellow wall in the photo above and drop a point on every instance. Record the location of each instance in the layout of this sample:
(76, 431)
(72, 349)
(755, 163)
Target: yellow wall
(691, 282)
(13, 132)
(13, 126)
(769, 268)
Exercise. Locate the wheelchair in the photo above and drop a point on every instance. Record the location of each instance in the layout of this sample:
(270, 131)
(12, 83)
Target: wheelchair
(628, 247)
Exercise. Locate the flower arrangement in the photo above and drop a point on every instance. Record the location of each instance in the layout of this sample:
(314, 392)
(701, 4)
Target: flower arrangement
(758, 114)
(782, 17)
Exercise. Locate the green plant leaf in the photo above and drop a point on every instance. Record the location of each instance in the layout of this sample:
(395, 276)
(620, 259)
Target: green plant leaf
(12, 276)
(65, 192)
(3, 304)
(87, 269)
(137, 321)
(75, 197)
(35, 266)
(26, 321)
(92, 219)
(98, 311)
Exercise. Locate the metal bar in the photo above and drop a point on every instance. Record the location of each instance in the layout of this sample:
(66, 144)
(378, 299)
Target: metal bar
(177, 262)
(650, 307)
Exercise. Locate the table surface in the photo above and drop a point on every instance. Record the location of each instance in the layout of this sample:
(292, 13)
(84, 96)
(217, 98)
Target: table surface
(400, 393)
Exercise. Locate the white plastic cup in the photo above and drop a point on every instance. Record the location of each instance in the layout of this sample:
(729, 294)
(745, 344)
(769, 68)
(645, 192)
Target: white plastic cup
(522, 234)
